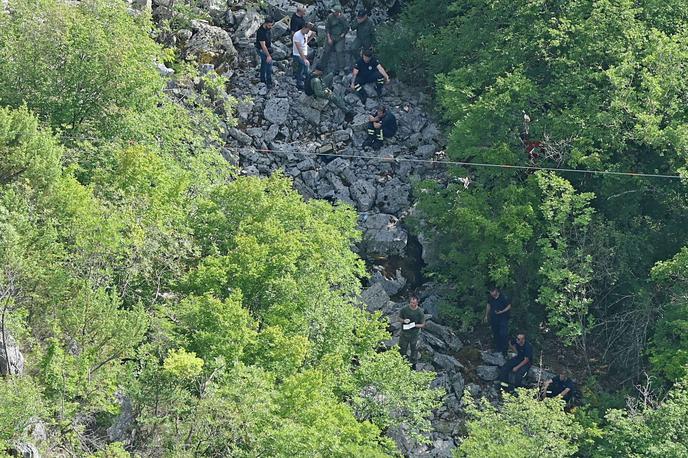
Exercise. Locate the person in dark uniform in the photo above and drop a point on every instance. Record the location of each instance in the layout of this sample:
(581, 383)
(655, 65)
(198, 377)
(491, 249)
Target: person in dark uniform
(560, 386)
(412, 320)
(264, 49)
(512, 373)
(368, 70)
(365, 34)
(382, 124)
(497, 311)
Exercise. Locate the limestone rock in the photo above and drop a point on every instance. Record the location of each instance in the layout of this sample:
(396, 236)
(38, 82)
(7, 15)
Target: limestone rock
(11, 359)
(487, 373)
(375, 297)
(538, 374)
(492, 358)
(24, 450)
(382, 236)
(364, 194)
(393, 196)
(249, 25)
(123, 427)
(446, 334)
(447, 362)
(276, 110)
(391, 285)
(212, 45)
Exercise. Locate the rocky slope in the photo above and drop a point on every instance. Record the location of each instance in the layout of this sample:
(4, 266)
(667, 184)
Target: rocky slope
(309, 140)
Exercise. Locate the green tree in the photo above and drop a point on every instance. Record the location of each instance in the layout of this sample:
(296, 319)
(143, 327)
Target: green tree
(88, 63)
(522, 427)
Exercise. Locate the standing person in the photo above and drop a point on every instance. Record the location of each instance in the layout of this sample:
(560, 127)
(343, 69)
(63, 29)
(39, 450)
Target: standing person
(264, 50)
(300, 53)
(381, 125)
(297, 20)
(497, 311)
(336, 28)
(412, 318)
(368, 70)
(512, 373)
(365, 34)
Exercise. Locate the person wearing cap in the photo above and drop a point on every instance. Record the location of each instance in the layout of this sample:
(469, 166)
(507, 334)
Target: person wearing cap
(382, 124)
(336, 28)
(365, 34)
(318, 86)
(300, 53)
(264, 49)
(368, 70)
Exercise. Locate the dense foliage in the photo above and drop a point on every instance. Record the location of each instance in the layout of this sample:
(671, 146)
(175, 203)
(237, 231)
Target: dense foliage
(597, 262)
(576, 84)
(141, 277)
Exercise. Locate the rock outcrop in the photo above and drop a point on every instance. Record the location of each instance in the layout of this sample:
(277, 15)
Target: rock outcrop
(11, 359)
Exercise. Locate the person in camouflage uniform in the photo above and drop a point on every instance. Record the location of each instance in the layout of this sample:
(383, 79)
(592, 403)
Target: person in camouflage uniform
(365, 35)
(319, 88)
(336, 28)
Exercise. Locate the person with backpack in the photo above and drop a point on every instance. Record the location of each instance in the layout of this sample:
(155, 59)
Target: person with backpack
(318, 86)
(382, 124)
(368, 70)
(264, 49)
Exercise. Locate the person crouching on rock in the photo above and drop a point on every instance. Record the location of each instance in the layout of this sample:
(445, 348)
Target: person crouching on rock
(368, 70)
(382, 124)
(412, 320)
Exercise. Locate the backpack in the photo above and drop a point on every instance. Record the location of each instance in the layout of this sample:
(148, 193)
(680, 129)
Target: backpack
(307, 85)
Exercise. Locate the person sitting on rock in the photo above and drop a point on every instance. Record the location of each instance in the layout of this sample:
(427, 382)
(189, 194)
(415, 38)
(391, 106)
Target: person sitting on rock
(318, 86)
(513, 372)
(382, 124)
(560, 386)
(368, 70)
(264, 49)
(412, 320)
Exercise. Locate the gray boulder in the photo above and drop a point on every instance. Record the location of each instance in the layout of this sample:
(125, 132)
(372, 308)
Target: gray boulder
(212, 45)
(391, 285)
(487, 373)
(492, 358)
(393, 197)
(123, 428)
(383, 237)
(375, 297)
(447, 335)
(446, 362)
(24, 450)
(364, 193)
(11, 359)
(458, 384)
(249, 25)
(538, 374)
(276, 110)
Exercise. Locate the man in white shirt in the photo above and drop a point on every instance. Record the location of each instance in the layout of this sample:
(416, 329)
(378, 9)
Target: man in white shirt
(300, 52)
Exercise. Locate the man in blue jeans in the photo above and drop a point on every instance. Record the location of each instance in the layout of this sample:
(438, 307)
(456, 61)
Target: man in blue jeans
(300, 53)
(264, 50)
(497, 312)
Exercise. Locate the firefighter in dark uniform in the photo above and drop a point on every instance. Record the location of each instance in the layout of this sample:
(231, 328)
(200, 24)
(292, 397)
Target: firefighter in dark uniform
(381, 125)
(368, 70)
